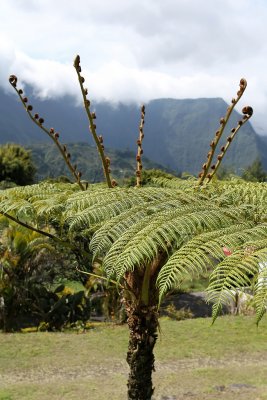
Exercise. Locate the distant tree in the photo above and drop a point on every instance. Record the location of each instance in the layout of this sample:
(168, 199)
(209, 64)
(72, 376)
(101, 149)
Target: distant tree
(255, 172)
(16, 164)
(225, 172)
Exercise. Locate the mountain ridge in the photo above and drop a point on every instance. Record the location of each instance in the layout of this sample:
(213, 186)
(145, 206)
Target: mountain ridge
(177, 131)
(50, 163)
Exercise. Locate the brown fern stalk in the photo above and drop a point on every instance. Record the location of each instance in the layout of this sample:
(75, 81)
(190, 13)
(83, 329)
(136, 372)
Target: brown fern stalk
(248, 112)
(139, 165)
(39, 121)
(92, 126)
(223, 122)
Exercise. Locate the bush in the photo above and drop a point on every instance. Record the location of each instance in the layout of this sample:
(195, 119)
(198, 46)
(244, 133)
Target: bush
(16, 164)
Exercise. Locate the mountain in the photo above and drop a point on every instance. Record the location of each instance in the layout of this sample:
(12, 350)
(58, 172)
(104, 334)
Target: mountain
(262, 144)
(177, 132)
(50, 163)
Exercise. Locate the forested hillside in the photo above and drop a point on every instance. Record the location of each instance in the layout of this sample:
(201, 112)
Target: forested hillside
(174, 129)
(50, 164)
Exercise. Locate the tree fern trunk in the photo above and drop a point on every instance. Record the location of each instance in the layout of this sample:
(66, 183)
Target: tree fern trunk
(143, 325)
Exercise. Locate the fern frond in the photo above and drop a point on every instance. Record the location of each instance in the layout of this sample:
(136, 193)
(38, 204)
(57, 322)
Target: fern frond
(116, 201)
(172, 182)
(112, 229)
(260, 296)
(235, 272)
(129, 228)
(20, 207)
(202, 251)
(162, 231)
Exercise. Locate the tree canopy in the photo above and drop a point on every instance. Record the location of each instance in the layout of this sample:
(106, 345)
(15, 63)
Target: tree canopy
(16, 164)
(255, 172)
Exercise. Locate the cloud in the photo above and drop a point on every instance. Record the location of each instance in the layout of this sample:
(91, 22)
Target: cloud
(136, 50)
(7, 57)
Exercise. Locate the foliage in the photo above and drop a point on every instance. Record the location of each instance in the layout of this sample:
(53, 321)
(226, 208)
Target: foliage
(226, 173)
(178, 315)
(30, 266)
(187, 227)
(16, 164)
(150, 177)
(105, 296)
(6, 185)
(19, 251)
(61, 308)
(255, 172)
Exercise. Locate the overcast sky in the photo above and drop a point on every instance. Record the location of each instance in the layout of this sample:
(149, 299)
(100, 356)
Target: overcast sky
(137, 50)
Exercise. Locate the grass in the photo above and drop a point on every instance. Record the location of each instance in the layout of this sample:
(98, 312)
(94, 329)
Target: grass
(193, 360)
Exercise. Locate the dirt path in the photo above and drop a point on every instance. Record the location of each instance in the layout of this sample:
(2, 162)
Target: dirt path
(50, 374)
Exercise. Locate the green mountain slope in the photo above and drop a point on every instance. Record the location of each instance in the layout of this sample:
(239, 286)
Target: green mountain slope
(50, 164)
(177, 132)
(186, 128)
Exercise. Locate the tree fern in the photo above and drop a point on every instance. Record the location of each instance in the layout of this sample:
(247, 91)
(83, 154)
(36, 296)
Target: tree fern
(149, 239)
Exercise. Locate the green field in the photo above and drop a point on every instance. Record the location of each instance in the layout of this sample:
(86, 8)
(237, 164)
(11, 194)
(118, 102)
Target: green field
(193, 361)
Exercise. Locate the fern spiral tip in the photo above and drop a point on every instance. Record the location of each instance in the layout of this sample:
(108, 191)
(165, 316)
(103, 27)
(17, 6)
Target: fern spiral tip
(76, 62)
(243, 83)
(247, 111)
(13, 80)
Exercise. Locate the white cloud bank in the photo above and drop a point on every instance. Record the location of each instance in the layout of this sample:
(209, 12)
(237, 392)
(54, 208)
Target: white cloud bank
(137, 50)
